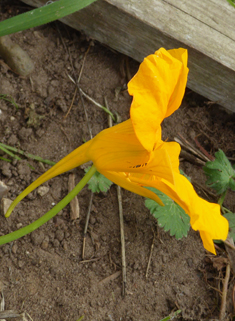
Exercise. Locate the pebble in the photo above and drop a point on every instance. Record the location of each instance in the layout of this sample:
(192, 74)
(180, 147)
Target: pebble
(6, 169)
(20, 263)
(6, 248)
(12, 140)
(56, 190)
(92, 220)
(56, 243)
(5, 204)
(24, 133)
(45, 243)
(19, 225)
(65, 245)
(37, 237)
(14, 248)
(6, 88)
(59, 234)
(43, 190)
(62, 104)
(16, 58)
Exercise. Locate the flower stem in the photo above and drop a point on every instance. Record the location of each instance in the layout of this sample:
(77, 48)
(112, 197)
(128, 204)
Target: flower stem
(222, 197)
(55, 210)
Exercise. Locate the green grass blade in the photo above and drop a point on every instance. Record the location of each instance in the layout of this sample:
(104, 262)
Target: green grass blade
(5, 150)
(28, 155)
(42, 15)
(231, 2)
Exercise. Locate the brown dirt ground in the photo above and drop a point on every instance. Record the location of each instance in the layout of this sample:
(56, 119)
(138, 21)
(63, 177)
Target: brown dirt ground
(43, 273)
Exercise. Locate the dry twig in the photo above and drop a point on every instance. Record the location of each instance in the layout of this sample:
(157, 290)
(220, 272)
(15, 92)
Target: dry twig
(78, 81)
(119, 195)
(86, 226)
(110, 277)
(150, 255)
(74, 205)
(224, 294)
(186, 145)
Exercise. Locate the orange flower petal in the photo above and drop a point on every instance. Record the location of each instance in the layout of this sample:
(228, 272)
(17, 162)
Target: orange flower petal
(122, 180)
(205, 216)
(117, 149)
(159, 85)
(72, 160)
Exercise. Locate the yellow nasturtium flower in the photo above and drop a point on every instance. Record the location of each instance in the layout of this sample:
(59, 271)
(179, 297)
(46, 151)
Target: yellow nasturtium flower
(133, 155)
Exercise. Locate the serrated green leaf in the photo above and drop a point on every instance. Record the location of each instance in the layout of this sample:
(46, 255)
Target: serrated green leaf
(98, 183)
(171, 217)
(220, 173)
(231, 219)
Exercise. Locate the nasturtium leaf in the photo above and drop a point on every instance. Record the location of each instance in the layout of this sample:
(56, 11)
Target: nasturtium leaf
(170, 217)
(98, 183)
(220, 173)
(231, 219)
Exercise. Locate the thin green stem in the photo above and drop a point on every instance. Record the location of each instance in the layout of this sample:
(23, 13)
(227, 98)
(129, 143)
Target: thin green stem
(5, 150)
(34, 157)
(225, 210)
(222, 197)
(55, 210)
(5, 159)
(231, 2)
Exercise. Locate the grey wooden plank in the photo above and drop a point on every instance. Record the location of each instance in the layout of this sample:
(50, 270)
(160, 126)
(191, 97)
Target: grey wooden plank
(138, 28)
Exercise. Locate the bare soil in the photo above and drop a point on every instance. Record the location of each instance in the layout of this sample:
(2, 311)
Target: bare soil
(43, 273)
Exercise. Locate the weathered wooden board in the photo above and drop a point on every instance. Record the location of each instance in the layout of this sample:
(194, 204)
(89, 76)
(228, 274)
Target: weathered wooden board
(138, 28)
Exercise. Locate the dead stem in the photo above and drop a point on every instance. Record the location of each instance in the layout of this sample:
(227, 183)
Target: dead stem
(119, 196)
(86, 226)
(150, 255)
(91, 260)
(74, 205)
(186, 145)
(122, 240)
(78, 81)
(224, 294)
(110, 277)
(229, 244)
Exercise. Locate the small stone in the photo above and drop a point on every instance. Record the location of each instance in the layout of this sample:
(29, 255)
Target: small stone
(40, 132)
(190, 262)
(14, 248)
(24, 133)
(62, 104)
(19, 225)
(20, 263)
(65, 245)
(59, 234)
(12, 140)
(5, 204)
(6, 171)
(92, 220)
(16, 58)
(42, 190)
(56, 243)
(24, 170)
(37, 237)
(56, 190)
(45, 243)
(6, 88)
(6, 248)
